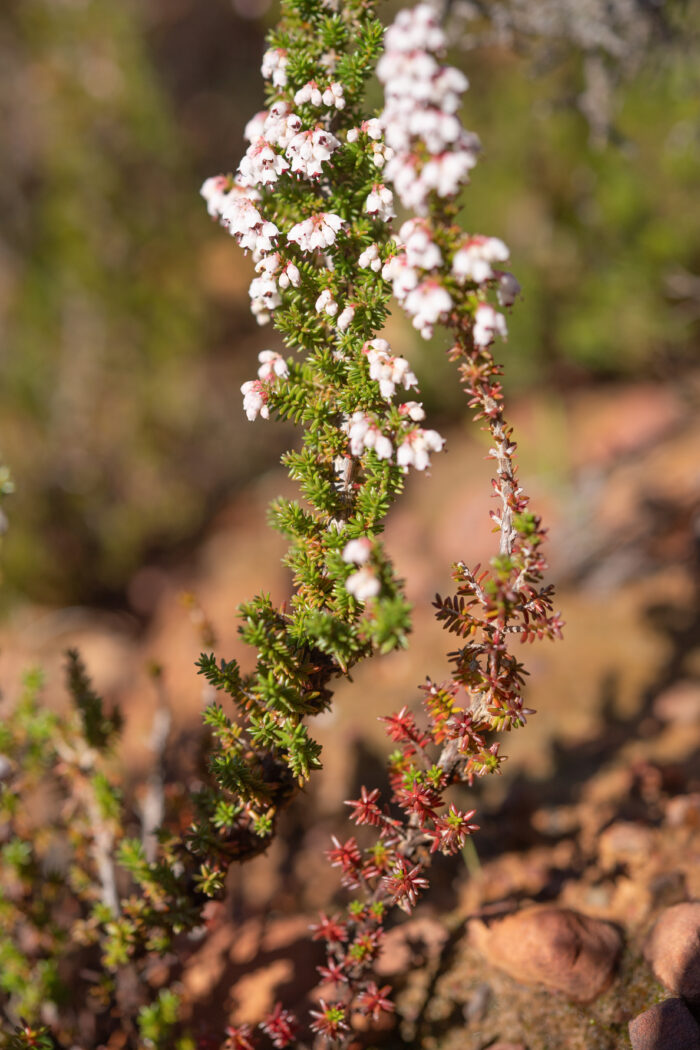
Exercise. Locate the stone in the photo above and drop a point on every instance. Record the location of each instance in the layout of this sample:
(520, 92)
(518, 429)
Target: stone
(673, 949)
(665, 1026)
(680, 704)
(556, 947)
(625, 843)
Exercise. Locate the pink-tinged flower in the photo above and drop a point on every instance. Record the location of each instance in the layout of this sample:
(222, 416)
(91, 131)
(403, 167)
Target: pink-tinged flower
(363, 584)
(281, 1026)
(404, 883)
(261, 165)
(427, 303)
(240, 1038)
(373, 1000)
(365, 808)
(487, 325)
(345, 318)
(289, 276)
(473, 260)
(380, 202)
(331, 930)
(416, 447)
(380, 153)
(329, 1021)
(420, 249)
(309, 150)
(446, 173)
(272, 366)
(310, 93)
(402, 275)
(414, 29)
(214, 190)
(357, 551)
(334, 95)
(364, 433)
(274, 65)
(320, 231)
(413, 409)
(255, 400)
(255, 128)
(247, 225)
(281, 125)
(369, 259)
(264, 297)
(326, 303)
(386, 369)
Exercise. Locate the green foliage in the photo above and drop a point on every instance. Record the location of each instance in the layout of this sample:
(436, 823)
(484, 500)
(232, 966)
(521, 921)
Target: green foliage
(156, 1021)
(99, 728)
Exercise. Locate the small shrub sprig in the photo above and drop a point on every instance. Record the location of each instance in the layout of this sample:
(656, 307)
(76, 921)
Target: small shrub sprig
(306, 202)
(59, 872)
(313, 200)
(439, 275)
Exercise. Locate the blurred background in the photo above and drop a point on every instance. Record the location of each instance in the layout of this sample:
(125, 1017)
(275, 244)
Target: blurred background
(125, 335)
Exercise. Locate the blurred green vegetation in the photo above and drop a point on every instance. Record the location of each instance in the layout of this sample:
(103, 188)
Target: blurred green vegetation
(123, 312)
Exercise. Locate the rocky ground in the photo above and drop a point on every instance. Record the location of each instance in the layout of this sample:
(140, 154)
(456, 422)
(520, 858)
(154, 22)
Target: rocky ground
(573, 914)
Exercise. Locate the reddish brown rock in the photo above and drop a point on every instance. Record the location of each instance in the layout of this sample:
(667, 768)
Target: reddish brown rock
(680, 704)
(673, 949)
(507, 1046)
(556, 947)
(665, 1026)
(625, 843)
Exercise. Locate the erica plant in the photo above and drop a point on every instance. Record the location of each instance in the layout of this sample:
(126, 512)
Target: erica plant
(337, 268)
(314, 200)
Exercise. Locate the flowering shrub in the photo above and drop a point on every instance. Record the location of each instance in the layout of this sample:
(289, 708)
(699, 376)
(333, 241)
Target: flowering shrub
(313, 200)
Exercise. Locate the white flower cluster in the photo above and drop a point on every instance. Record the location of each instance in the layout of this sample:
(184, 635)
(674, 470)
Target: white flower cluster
(262, 165)
(246, 224)
(364, 583)
(272, 366)
(332, 97)
(264, 290)
(473, 260)
(256, 391)
(309, 149)
(255, 400)
(279, 129)
(278, 125)
(389, 371)
(488, 323)
(319, 231)
(326, 304)
(234, 206)
(364, 433)
(274, 65)
(415, 285)
(414, 449)
(369, 259)
(380, 203)
(421, 112)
